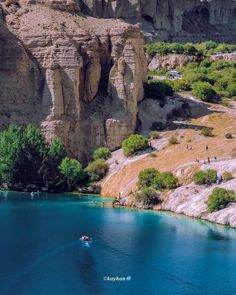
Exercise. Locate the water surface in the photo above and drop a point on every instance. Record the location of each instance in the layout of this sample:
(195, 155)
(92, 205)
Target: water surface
(147, 252)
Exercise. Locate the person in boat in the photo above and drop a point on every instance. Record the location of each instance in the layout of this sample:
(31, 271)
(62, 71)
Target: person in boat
(85, 238)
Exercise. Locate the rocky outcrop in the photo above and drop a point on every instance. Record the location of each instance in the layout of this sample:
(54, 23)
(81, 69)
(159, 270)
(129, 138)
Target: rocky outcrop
(170, 61)
(191, 199)
(172, 19)
(80, 78)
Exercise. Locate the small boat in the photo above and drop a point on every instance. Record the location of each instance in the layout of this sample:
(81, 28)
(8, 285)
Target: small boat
(85, 239)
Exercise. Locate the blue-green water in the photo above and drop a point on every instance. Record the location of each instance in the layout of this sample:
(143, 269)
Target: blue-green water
(156, 253)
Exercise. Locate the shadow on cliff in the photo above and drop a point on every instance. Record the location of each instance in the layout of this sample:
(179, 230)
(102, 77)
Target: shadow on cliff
(25, 97)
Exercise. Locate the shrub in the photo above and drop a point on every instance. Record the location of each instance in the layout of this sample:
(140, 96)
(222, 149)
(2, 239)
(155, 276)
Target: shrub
(231, 89)
(190, 49)
(227, 176)
(97, 169)
(192, 77)
(133, 144)
(220, 65)
(154, 134)
(205, 177)
(207, 131)
(222, 84)
(204, 91)
(173, 140)
(228, 135)
(206, 63)
(148, 196)
(146, 177)
(102, 153)
(165, 180)
(220, 198)
(181, 85)
(72, 170)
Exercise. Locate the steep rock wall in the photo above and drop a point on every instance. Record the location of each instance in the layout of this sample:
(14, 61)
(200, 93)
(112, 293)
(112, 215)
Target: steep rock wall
(172, 19)
(79, 78)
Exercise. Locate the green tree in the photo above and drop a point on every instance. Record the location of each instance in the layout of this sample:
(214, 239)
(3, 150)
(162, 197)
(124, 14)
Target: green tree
(133, 144)
(165, 180)
(147, 196)
(102, 153)
(10, 153)
(220, 198)
(49, 170)
(72, 170)
(97, 169)
(146, 177)
(205, 177)
(204, 91)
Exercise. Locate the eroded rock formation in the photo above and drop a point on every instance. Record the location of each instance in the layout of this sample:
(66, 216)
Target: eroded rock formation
(80, 78)
(172, 19)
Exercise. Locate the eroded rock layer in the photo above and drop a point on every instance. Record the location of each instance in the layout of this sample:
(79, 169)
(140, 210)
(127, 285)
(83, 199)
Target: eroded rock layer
(80, 78)
(172, 19)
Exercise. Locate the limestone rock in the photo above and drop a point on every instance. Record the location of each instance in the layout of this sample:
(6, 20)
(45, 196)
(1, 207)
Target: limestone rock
(175, 19)
(80, 78)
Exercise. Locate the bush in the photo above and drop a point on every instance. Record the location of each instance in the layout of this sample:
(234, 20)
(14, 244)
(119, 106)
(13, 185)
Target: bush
(207, 131)
(220, 198)
(227, 176)
(205, 177)
(204, 91)
(97, 169)
(181, 85)
(231, 89)
(133, 144)
(165, 180)
(154, 134)
(206, 63)
(102, 153)
(192, 77)
(173, 140)
(146, 177)
(147, 196)
(228, 135)
(222, 84)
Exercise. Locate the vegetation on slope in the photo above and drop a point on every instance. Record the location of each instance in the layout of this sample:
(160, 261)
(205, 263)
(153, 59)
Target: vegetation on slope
(220, 198)
(204, 48)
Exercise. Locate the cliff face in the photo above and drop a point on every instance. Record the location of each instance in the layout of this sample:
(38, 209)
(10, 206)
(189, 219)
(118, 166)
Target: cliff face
(79, 78)
(172, 19)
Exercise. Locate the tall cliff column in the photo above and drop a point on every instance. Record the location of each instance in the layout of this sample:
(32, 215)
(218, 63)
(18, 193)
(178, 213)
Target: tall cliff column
(126, 83)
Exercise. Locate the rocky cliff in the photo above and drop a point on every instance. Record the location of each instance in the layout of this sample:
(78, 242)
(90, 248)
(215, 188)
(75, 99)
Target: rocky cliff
(172, 19)
(80, 78)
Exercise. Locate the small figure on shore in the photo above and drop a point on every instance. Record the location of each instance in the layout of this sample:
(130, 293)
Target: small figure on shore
(215, 158)
(187, 146)
(208, 160)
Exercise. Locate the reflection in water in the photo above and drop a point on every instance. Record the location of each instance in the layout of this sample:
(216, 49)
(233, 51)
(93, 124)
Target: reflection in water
(216, 235)
(88, 272)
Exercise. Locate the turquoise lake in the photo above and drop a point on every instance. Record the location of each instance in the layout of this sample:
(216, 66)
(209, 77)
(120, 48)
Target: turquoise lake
(144, 252)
